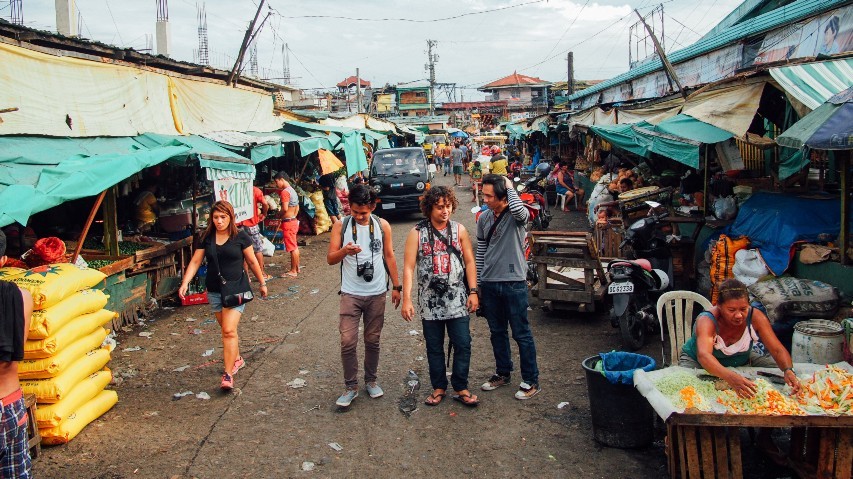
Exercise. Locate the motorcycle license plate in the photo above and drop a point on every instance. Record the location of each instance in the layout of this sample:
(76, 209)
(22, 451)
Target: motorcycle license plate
(620, 288)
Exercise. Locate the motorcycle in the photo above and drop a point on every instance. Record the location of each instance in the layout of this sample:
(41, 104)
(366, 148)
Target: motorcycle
(533, 195)
(636, 282)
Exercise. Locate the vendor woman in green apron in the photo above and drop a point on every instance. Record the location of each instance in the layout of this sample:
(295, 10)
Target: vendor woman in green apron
(730, 335)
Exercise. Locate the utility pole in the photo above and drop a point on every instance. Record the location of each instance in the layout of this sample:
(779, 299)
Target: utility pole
(246, 38)
(670, 72)
(570, 84)
(357, 91)
(431, 67)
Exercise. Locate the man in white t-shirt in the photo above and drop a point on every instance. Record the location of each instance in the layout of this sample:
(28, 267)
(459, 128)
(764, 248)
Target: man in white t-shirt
(362, 244)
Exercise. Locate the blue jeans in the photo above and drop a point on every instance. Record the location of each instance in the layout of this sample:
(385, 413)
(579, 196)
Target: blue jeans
(504, 304)
(460, 336)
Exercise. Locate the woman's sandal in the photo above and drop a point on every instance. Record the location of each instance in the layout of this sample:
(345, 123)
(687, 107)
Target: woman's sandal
(466, 398)
(435, 398)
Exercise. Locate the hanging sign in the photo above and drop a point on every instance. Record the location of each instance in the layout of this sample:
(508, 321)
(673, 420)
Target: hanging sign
(238, 192)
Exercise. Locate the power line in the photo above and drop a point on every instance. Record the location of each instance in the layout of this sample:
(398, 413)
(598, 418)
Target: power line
(415, 20)
(114, 22)
(568, 28)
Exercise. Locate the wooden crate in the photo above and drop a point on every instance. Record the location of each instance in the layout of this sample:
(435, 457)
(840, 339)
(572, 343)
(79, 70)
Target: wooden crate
(120, 262)
(34, 441)
(707, 445)
(558, 254)
(607, 238)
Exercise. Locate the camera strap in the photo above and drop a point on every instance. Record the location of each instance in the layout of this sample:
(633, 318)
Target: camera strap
(495, 225)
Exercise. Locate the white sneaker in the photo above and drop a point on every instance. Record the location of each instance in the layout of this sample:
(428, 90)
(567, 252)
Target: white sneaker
(374, 390)
(527, 391)
(346, 398)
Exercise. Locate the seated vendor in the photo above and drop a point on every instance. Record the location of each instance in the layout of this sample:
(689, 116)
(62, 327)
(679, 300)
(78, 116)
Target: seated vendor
(146, 207)
(734, 334)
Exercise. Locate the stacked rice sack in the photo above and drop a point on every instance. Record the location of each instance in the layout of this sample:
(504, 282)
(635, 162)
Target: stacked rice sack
(64, 360)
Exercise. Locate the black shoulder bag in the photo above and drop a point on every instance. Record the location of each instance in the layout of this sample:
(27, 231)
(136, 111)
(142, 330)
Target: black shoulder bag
(234, 293)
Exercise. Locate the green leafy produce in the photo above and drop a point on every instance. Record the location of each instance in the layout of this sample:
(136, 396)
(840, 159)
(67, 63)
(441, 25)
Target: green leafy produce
(131, 247)
(100, 263)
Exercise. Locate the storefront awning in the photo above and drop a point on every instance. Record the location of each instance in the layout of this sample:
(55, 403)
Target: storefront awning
(209, 153)
(677, 138)
(51, 172)
(814, 83)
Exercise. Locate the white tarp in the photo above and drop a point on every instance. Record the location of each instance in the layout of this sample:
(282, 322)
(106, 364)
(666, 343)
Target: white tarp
(71, 97)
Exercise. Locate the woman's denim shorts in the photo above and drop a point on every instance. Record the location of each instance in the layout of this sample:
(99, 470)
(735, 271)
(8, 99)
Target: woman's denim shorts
(215, 301)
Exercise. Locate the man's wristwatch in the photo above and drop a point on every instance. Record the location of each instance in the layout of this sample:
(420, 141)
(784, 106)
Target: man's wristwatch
(397, 288)
(474, 291)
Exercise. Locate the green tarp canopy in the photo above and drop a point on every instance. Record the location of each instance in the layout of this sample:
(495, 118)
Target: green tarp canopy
(37, 174)
(309, 141)
(209, 153)
(350, 138)
(677, 138)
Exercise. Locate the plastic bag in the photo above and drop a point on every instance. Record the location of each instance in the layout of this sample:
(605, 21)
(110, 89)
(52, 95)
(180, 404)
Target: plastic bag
(725, 208)
(268, 249)
(619, 366)
(749, 266)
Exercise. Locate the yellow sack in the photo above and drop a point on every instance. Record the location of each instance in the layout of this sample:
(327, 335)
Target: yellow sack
(51, 283)
(51, 415)
(49, 391)
(723, 260)
(6, 274)
(54, 365)
(76, 421)
(322, 222)
(48, 322)
(76, 329)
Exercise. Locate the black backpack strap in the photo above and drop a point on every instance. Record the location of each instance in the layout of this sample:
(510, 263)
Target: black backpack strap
(345, 220)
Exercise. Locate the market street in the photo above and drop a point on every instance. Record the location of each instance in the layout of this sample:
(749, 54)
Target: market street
(268, 429)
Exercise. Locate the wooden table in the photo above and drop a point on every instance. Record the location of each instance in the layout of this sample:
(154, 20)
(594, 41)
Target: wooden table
(705, 445)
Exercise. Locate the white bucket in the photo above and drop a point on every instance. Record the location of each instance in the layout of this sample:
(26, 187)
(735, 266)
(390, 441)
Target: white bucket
(817, 341)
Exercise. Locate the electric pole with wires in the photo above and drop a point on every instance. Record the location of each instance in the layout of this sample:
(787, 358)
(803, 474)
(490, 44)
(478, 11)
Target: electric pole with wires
(430, 66)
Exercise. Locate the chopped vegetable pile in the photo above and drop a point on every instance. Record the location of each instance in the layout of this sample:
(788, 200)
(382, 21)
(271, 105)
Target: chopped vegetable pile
(687, 391)
(767, 401)
(829, 391)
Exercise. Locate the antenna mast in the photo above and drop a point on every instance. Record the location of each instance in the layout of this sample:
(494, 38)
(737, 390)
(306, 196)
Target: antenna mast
(203, 54)
(17, 16)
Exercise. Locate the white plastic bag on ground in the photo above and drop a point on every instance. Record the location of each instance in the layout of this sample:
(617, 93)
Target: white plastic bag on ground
(749, 266)
(268, 249)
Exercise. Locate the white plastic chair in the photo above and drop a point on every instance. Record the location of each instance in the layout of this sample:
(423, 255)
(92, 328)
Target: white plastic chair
(680, 315)
(561, 200)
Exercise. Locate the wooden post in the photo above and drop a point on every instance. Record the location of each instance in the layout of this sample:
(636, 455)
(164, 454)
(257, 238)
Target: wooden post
(88, 224)
(110, 216)
(843, 157)
(705, 186)
(195, 181)
(667, 67)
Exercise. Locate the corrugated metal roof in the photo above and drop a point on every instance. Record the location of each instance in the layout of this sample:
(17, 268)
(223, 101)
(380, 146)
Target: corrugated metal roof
(515, 80)
(781, 16)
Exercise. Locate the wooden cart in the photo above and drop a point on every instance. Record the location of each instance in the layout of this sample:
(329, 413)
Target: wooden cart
(570, 273)
(707, 446)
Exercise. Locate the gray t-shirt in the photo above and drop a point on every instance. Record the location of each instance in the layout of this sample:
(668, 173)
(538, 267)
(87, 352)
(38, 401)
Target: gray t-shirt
(456, 156)
(504, 256)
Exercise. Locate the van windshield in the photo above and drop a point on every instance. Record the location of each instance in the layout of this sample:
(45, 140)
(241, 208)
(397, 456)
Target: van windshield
(397, 162)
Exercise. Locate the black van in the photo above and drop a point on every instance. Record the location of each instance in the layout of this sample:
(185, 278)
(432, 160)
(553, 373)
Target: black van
(399, 176)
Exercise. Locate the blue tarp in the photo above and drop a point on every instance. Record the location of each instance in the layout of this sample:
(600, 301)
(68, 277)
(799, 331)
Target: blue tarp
(619, 366)
(774, 222)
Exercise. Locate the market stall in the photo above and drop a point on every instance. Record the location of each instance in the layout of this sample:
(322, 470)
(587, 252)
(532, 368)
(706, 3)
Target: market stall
(704, 419)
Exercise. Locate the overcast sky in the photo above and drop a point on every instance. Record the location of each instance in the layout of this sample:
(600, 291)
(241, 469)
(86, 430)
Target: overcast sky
(487, 42)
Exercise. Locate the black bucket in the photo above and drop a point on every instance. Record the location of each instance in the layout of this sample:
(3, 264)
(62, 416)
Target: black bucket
(621, 416)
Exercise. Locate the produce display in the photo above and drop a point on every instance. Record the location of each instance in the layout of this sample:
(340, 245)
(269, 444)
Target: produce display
(124, 247)
(100, 263)
(828, 391)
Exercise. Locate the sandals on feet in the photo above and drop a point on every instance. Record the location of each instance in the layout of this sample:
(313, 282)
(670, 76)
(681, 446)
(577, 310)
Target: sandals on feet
(435, 398)
(466, 398)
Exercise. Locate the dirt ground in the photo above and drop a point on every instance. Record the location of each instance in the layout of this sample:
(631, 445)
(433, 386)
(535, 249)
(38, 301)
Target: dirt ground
(266, 428)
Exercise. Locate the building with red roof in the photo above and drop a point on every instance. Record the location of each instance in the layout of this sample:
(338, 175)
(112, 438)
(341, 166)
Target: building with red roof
(521, 93)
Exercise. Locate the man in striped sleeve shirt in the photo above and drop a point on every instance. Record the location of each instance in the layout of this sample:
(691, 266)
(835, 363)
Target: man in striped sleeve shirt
(501, 278)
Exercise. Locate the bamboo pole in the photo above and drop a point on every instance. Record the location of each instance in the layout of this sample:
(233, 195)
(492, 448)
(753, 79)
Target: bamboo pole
(89, 221)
